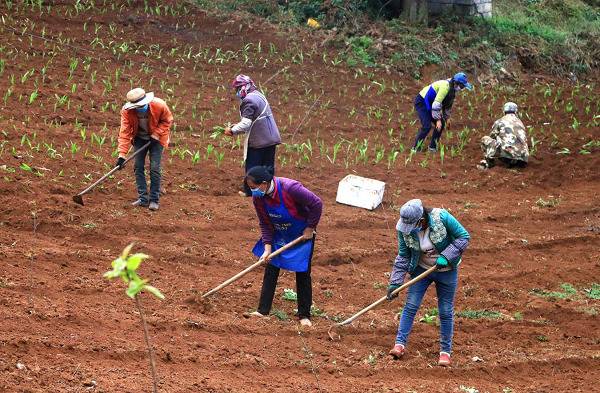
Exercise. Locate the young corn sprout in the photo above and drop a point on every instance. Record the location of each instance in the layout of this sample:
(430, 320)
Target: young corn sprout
(125, 267)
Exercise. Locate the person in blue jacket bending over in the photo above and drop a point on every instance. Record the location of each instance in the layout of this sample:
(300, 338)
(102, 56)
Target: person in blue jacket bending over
(427, 238)
(433, 106)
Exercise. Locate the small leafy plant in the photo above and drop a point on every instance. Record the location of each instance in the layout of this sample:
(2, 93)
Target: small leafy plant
(593, 292)
(479, 314)
(280, 314)
(125, 267)
(290, 295)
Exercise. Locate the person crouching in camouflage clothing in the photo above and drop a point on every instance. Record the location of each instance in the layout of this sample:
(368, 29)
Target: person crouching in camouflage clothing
(507, 143)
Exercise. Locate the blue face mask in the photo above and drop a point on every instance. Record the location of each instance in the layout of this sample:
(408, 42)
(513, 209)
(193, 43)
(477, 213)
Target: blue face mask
(238, 94)
(257, 192)
(417, 229)
(142, 109)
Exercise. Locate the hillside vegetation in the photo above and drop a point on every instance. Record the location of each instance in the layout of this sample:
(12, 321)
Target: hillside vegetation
(553, 37)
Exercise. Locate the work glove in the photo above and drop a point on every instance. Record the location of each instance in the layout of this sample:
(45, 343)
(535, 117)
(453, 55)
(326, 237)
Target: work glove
(120, 163)
(436, 110)
(447, 113)
(441, 262)
(392, 288)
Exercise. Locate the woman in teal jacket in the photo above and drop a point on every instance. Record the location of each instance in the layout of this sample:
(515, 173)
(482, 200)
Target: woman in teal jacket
(427, 238)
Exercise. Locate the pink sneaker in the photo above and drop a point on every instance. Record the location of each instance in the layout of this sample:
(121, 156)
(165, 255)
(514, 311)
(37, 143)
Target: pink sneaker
(444, 359)
(398, 351)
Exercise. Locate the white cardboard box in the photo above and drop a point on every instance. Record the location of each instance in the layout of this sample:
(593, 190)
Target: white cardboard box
(360, 192)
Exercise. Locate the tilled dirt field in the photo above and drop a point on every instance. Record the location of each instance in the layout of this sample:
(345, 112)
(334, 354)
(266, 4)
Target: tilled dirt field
(526, 301)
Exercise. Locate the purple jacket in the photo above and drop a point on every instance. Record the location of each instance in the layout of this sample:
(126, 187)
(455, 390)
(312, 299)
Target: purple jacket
(300, 202)
(264, 131)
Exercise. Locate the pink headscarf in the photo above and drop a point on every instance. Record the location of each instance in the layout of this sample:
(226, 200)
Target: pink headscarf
(244, 84)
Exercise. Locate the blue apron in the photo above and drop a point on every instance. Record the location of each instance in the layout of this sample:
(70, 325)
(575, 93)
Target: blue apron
(287, 228)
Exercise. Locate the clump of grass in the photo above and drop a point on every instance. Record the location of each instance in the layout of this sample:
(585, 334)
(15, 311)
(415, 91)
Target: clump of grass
(289, 295)
(361, 51)
(518, 316)
(280, 314)
(317, 312)
(593, 292)
(550, 202)
(479, 314)
(568, 291)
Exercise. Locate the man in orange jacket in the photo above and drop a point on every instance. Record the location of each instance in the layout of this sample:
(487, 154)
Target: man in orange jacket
(145, 118)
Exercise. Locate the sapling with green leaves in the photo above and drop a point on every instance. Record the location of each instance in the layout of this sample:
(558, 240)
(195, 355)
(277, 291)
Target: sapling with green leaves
(125, 267)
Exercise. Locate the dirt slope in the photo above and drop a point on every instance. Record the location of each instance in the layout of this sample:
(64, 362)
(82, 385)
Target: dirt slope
(67, 326)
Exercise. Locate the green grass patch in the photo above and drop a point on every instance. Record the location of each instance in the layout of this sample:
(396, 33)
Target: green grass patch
(479, 314)
(518, 316)
(593, 292)
(289, 295)
(280, 314)
(317, 312)
(361, 52)
(568, 291)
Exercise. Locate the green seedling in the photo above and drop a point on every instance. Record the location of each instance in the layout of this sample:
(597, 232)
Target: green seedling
(317, 312)
(290, 295)
(280, 314)
(593, 292)
(125, 267)
(430, 317)
(217, 132)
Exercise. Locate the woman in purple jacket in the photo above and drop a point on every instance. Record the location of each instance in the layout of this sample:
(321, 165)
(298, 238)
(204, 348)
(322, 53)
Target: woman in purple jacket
(258, 123)
(286, 210)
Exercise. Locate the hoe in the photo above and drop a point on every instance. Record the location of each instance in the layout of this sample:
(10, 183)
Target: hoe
(333, 332)
(79, 197)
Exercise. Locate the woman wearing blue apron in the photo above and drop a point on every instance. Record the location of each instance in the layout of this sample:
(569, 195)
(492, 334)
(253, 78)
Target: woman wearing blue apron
(286, 210)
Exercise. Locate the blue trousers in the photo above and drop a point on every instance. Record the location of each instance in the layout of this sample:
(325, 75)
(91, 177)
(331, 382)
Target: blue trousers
(426, 122)
(154, 151)
(445, 286)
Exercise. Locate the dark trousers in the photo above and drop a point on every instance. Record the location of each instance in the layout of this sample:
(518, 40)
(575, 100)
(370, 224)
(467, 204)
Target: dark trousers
(264, 156)
(426, 121)
(303, 289)
(154, 151)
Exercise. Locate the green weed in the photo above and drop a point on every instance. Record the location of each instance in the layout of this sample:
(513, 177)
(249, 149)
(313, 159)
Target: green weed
(290, 295)
(593, 292)
(479, 314)
(280, 314)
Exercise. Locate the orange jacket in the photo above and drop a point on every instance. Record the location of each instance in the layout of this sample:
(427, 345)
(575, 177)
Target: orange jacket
(159, 124)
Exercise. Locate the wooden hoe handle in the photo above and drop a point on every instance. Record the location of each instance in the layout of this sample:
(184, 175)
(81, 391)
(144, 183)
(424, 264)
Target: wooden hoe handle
(253, 266)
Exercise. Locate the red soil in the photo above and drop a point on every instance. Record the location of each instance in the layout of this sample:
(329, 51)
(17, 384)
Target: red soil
(67, 326)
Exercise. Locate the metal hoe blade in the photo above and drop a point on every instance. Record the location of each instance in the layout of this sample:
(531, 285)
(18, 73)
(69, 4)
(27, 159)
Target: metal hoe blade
(78, 199)
(333, 331)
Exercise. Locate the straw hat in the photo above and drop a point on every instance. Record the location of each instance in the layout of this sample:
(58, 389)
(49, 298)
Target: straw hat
(137, 98)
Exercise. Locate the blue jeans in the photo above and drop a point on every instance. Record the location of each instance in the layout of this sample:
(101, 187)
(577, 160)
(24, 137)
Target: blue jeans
(426, 123)
(154, 151)
(445, 286)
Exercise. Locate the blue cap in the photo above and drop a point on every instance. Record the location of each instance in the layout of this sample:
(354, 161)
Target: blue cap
(410, 214)
(461, 78)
